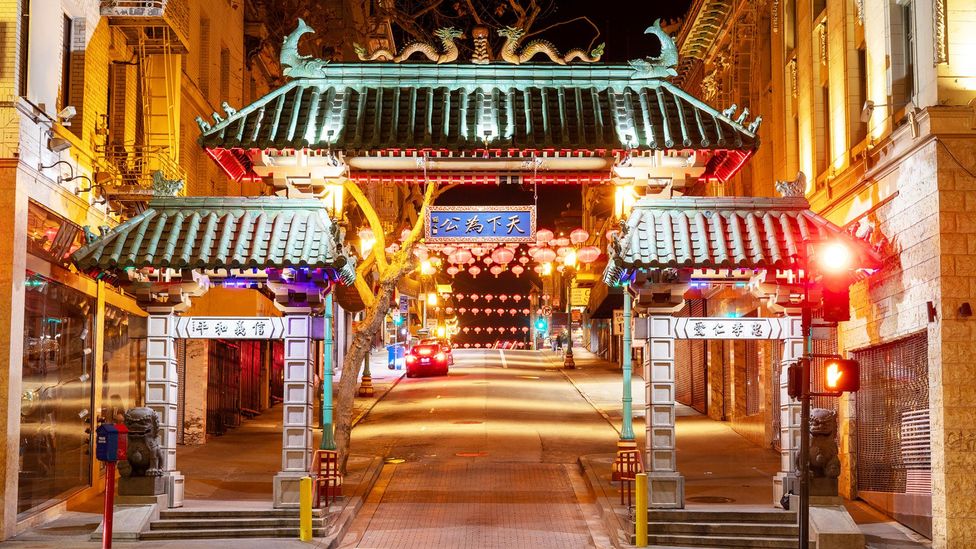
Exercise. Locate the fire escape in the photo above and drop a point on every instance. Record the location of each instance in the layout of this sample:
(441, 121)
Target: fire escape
(158, 33)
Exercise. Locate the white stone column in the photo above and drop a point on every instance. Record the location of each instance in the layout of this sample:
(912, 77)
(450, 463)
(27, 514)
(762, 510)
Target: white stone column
(162, 393)
(789, 411)
(667, 486)
(296, 436)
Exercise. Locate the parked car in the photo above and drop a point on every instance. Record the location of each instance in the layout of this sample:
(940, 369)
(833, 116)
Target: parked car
(429, 359)
(445, 346)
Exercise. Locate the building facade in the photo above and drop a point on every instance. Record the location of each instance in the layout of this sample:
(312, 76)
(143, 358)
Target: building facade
(872, 100)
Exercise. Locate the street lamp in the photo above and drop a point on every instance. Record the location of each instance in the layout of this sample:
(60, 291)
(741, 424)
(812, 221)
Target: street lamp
(333, 196)
(366, 242)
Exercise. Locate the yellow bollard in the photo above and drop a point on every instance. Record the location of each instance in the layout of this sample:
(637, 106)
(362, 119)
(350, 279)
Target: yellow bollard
(305, 509)
(640, 505)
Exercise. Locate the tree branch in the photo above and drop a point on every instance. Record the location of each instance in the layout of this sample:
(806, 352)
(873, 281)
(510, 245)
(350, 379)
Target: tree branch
(568, 21)
(365, 292)
(379, 248)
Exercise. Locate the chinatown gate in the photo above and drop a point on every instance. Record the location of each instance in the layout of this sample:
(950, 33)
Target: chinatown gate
(480, 121)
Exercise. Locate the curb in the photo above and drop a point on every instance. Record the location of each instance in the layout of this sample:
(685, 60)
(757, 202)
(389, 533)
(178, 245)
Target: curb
(338, 529)
(611, 520)
(604, 415)
(362, 414)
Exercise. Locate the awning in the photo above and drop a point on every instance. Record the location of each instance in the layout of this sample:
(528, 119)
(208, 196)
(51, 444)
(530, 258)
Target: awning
(723, 232)
(222, 233)
(381, 108)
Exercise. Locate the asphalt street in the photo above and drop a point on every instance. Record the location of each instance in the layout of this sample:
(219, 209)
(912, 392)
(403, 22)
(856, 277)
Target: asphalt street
(485, 457)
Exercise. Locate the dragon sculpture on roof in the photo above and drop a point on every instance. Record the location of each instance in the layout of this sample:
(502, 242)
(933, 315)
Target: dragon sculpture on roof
(446, 35)
(295, 64)
(661, 66)
(514, 35)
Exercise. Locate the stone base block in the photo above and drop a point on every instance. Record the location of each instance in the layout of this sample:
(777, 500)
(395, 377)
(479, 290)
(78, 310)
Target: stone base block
(823, 486)
(132, 516)
(666, 491)
(143, 486)
(831, 526)
(286, 489)
(175, 489)
(783, 483)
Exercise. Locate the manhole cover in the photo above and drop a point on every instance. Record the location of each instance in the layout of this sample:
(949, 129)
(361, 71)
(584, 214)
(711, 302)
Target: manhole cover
(394, 461)
(471, 454)
(709, 499)
(468, 422)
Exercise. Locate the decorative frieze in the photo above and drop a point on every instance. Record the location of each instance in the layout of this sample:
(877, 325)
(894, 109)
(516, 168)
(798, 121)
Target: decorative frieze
(859, 11)
(940, 31)
(794, 88)
(823, 42)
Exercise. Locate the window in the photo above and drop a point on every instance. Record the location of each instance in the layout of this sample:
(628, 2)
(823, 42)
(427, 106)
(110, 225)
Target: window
(224, 75)
(823, 130)
(51, 236)
(56, 398)
(790, 23)
(902, 51)
(65, 97)
(859, 130)
(124, 358)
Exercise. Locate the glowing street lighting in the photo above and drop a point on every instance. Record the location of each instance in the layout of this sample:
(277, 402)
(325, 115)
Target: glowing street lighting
(834, 257)
(332, 198)
(366, 240)
(569, 259)
(432, 299)
(624, 198)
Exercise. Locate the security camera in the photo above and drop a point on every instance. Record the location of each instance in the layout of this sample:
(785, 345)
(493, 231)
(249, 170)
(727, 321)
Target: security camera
(66, 114)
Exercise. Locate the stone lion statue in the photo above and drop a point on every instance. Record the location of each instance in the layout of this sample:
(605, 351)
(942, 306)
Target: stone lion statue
(823, 449)
(145, 455)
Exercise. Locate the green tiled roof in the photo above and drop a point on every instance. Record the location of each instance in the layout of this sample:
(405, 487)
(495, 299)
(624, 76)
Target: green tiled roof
(221, 233)
(363, 107)
(722, 232)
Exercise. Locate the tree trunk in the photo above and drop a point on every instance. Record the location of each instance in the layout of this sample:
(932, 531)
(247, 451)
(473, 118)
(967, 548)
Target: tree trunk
(353, 362)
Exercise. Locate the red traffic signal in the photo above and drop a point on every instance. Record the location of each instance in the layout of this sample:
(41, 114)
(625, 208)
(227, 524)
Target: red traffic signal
(841, 375)
(836, 298)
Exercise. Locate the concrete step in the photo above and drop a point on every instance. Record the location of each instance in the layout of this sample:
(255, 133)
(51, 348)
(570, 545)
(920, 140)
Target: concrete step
(236, 513)
(239, 523)
(216, 533)
(723, 542)
(740, 529)
(710, 516)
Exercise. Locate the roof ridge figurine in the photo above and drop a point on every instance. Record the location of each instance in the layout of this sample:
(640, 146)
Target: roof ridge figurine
(513, 36)
(661, 66)
(445, 34)
(297, 65)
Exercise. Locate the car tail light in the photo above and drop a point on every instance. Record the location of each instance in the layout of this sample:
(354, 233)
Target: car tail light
(411, 358)
(423, 351)
(440, 357)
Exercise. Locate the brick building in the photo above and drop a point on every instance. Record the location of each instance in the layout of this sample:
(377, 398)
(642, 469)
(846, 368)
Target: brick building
(872, 101)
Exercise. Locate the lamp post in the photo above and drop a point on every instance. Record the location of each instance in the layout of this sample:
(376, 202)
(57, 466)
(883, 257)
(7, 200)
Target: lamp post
(569, 273)
(333, 204)
(366, 242)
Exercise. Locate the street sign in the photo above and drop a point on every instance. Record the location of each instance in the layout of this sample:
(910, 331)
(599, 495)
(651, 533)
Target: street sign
(229, 327)
(727, 328)
(580, 297)
(618, 322)
(403, 303)
(480, 223)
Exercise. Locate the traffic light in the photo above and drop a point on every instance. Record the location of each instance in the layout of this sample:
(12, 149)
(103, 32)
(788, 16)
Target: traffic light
(795, 379)
(541, 325)
(836, 297)
(397, 319)
(841, 375)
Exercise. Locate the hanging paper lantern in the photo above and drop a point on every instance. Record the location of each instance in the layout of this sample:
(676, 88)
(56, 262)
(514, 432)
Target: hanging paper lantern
(465, 329)
(452, 270)
(420, 252)
(502, 255)
(467, 345)
(525, 311)
(474, 297)
(458, 296)
(545, 297)
(561, 252)
(512, 312)
(448, 250)
(477, 329)
(516, 298)
(462, 310)
(579, 236)
(523, 260)
(525, 329)
(588, 254)
(449, 310)
(561, 242)
(489, 329)
(543, 235)
(503, 298)
(537, 269)
(518, 270)
(487, 261)
(478, 251)
(496, 270)
(489, 297)
(545, 255)
(487, 311)
(463, 256)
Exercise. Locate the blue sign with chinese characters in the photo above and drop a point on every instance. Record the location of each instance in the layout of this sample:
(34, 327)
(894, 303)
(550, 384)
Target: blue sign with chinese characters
(481, 223)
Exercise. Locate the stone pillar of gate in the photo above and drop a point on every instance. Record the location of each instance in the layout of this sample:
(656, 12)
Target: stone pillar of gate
(666, 484)
(162, 393)
(789, 411)
(296, 436)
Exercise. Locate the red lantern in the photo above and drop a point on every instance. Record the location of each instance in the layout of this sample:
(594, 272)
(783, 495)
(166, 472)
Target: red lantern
(452, 270)
(462, 256)
(474, 297)
(463, 310)
(488, 261)
(518, 270)
(525, 329)
(503, 298)
(489, 329)
(543, 235)
(562, 242)
(496, 270)
(517, 298)
(525, 311)
(523, 260)
(475, 311)
(578, 236)
(477, 329)
(588, 254)
(449, 310)
(545, 255)
(512, 312)
(502, 255)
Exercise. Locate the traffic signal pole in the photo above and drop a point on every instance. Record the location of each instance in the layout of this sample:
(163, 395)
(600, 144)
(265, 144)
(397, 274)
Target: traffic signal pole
(804, 458)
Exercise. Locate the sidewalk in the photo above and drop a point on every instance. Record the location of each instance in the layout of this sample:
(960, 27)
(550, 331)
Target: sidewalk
(717, 463)
(249, 456)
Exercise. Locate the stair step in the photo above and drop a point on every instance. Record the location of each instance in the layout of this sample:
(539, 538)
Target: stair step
(723, 529)
(723, 541)
(686, 515)
(240, 523)
(181, 514)
(214, 533)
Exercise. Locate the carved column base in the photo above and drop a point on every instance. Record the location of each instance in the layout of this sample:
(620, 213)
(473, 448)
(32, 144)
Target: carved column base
(666, 490)
(366, 387)
(174, 487)
(286, 489)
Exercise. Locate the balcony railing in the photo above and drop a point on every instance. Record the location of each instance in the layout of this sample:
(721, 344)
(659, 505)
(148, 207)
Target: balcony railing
(174, 14)
(140, 173)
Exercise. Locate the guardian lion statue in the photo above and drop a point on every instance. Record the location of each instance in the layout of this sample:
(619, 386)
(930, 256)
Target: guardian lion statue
(824, 462)
(145, 455)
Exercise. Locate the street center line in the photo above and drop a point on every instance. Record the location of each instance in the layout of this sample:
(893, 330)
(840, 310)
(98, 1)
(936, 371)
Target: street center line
(502, 354)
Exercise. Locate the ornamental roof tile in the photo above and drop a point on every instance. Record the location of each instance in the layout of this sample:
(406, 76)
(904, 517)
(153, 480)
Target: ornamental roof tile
(367, 107)
(722, 232)
(221, 233)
